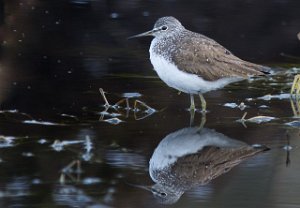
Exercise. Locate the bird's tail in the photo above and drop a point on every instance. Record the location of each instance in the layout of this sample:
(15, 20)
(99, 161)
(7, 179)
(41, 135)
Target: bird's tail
(257, 70)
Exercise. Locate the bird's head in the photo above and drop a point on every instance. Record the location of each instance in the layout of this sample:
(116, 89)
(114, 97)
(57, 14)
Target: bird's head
(162, 27)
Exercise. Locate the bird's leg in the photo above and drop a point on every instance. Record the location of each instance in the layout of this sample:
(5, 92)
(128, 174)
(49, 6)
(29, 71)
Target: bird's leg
(192, 116)
(203, 121)
(203, 103)
(192, 107)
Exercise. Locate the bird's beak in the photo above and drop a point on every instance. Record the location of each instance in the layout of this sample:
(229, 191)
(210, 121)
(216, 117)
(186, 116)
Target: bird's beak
(148, 33)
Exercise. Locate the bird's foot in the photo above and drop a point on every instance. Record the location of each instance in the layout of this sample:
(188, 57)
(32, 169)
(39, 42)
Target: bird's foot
(192, 108)
(203, 111)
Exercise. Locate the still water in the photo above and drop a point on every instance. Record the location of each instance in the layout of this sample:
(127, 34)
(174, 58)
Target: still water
(60, 146)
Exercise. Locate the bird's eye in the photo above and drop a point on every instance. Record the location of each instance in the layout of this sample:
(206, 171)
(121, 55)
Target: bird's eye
(163, 194)
(164, 28)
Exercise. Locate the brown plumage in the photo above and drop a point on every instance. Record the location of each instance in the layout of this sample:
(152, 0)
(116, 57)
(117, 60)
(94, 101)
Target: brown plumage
(191, 157)
(178, 54)
(212, 162)
(210, 60)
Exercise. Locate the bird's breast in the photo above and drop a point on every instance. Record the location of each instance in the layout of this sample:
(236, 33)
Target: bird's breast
(178, 78)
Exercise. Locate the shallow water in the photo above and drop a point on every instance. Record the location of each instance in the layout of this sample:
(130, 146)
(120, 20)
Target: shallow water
(60, 147)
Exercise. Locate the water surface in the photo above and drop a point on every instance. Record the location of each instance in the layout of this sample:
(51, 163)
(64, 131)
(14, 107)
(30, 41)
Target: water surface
(60, 147)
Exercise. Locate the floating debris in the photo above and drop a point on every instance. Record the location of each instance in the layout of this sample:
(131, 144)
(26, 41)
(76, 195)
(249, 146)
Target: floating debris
(105, 113)
(263, 106)
(295, 89)
(104, 98)
(69, 167)
(257, 145)
(291, 71)
(255, 119)
(270, 97)
(59, 145)
(42, 141)
(114, 144)
(114, 121)
(69, 116)
(118, 104)
(91, 180)
(13, 113)
(6, 141)
(149, 111)
(131, 95)
(241, 106)
(230, 105)
(36, 181)
(293, 123)
(9, 111)
(27, 154)
(260, 119)
(87, 156)
(127, 96)
(298, 36)
(88, 146)
(295, 105)
(287, 147)
(46, 123)
(115, 114)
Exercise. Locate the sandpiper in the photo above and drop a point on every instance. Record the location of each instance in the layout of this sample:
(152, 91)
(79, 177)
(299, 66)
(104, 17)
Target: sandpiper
(190, 157)
(193, 63)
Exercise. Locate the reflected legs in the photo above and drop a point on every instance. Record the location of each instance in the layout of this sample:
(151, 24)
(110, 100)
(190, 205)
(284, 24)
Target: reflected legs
(203, 102)
(192, 107)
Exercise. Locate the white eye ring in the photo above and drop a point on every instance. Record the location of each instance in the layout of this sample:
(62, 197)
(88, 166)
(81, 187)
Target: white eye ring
(164, 28)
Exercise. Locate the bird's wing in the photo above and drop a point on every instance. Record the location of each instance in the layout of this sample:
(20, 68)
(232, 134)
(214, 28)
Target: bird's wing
(211, 162)
(206, 58)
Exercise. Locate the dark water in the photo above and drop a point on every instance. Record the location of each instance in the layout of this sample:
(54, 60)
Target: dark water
(57, 148)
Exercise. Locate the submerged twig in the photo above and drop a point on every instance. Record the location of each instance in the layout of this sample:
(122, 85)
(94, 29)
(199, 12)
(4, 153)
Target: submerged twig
(192, 116)
(244, 116)
(148, 112)
(122, 101)
(295, 89)
(295, 105)
(104, 97)
(242, 120)
(67, 171)
(255, 119)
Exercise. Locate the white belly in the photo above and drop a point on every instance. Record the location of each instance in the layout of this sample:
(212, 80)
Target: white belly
(182, 81)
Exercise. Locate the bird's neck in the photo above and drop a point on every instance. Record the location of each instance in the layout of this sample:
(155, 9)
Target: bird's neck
(164, 45)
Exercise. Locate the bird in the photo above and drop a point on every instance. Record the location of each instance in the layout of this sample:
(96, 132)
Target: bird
(190, 157)
(194, 63)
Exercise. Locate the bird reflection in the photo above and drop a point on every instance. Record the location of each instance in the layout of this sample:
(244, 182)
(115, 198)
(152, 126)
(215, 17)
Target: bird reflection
(194, 156)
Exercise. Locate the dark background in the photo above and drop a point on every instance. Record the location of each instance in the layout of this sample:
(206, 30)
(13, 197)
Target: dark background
(56, 54)
(259, 31)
